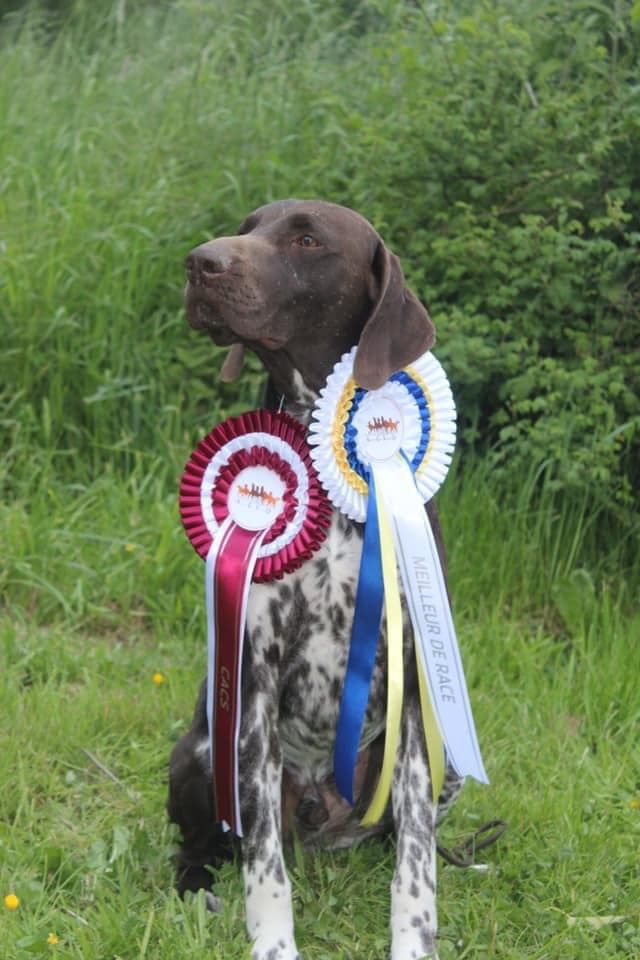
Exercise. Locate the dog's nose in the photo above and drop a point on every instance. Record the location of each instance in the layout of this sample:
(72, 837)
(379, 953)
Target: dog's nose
(206, 261)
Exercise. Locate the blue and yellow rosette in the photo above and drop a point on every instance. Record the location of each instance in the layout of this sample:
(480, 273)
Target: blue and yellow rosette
(380, 455)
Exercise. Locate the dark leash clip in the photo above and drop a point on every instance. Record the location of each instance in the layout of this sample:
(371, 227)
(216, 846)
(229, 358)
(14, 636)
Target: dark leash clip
(485, 836)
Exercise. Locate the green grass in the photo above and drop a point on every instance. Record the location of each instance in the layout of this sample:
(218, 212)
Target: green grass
(114, 596)
(129, 135)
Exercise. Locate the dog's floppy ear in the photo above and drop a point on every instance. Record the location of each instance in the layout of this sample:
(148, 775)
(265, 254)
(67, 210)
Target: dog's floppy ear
(399, 329)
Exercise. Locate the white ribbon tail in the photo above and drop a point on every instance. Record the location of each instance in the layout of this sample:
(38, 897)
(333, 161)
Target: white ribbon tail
(253, 558)
(219, 539)
(430, 613)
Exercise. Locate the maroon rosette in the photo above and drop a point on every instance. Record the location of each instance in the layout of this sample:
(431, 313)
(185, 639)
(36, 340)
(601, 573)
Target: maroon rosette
(262, 438)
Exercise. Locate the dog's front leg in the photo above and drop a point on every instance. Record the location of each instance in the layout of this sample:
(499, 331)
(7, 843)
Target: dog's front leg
(266, 884)
(413, 889)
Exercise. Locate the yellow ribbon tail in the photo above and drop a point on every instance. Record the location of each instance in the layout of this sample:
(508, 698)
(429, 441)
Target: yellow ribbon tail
(435, 746)
(395, 669)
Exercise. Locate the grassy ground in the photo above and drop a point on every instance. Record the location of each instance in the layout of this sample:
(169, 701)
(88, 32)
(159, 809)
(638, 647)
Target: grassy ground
(549, 655)
(114, 151)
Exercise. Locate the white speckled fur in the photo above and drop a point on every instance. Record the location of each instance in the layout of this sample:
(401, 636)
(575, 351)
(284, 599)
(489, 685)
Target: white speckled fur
(299, 306)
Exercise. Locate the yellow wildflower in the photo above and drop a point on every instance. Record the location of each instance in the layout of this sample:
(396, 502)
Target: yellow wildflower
(158, 678)
(52, 939)
(11, 902)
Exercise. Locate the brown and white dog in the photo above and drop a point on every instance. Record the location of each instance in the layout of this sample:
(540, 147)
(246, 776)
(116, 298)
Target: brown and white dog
(301, 283)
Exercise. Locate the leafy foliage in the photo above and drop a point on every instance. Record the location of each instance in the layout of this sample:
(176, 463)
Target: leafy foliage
(504, 148)
(496, 146)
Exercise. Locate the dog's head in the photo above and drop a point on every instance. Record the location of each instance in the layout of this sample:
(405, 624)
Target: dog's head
(300, 284)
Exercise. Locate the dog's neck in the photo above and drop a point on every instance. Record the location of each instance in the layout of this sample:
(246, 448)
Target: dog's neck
(298, 400)
(286, 388)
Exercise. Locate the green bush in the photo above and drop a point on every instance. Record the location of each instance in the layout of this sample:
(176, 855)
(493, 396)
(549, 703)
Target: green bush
(500, 152)
(496, 147)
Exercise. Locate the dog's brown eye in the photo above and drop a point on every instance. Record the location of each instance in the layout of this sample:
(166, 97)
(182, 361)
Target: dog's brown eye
(306, 240)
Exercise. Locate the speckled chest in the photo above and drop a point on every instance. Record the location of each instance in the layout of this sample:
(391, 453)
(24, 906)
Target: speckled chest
(304, 624)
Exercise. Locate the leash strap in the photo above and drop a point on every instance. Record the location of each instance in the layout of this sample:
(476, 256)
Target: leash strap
(485, 836)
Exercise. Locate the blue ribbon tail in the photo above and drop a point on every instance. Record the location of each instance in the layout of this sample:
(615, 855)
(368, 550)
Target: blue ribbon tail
(362, 652)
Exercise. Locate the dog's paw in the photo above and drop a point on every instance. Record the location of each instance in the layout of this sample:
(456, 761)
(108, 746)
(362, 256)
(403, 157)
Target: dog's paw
(275, 948)
(214, 904)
